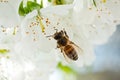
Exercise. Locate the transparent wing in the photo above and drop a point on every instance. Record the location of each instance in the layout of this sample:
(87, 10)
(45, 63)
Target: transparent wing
(68, 60)
(78, 51)
(77, 48)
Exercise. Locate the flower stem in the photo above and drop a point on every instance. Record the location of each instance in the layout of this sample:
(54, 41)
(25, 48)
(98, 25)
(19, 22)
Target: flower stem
(94, 3)
(39, 18)
(14, 31)
(35, 0)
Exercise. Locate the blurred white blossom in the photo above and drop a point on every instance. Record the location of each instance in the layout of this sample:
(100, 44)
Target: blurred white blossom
(97, 22)
(59, 75)
(63, 73)
(8, 15)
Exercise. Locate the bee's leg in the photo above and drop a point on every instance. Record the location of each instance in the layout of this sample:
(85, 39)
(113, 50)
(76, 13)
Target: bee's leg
(56, 30)
(62, 51)
(57, 46)
(66, 58)
(74, 44)
(65, 33)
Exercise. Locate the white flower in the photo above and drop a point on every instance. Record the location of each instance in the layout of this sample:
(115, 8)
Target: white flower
(61, 75)
(9, 35)
(83, 32)
(33, 56)
(11, 67)
(81, 13)
(63, 72)
(8, 15)
(113, 7)
(20, 62)
(97, 23)
(51, 18)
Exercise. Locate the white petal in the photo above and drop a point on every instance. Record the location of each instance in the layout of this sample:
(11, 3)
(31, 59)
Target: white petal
(9, 35)
(83, 12)
(113, 7)
(61, 75)
(8, 15)
(11, 69)
(34, 31)
(86, 56)
(98, 24)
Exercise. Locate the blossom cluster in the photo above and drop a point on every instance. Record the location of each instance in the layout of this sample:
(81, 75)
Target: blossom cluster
(27, 54)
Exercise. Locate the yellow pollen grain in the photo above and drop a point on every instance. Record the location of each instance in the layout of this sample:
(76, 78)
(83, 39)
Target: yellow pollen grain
(4, 30)
(90, 8)
(8, 57)
(32, 22)
(34, 33)
(109, 13)
(44, 33)
(98, 16)
(104, 1)
(57, 23)
(49, 39)
(54, 27)
(34, 39)
(27, 32)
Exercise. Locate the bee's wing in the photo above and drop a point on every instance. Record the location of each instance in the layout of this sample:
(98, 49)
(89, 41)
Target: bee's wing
(77, 48)
(66, 57)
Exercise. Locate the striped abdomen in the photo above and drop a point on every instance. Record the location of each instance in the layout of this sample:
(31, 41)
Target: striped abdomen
(71, 52)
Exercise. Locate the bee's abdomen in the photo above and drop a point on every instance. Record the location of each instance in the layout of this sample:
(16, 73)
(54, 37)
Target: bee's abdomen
(71, 52)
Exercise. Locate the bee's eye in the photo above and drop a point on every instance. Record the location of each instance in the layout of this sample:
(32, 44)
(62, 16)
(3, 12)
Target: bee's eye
(58, 36)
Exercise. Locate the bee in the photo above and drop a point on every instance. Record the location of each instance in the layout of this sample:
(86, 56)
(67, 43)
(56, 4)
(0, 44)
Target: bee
(66, 46)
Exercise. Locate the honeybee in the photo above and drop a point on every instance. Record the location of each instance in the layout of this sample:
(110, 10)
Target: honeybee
(66, 46)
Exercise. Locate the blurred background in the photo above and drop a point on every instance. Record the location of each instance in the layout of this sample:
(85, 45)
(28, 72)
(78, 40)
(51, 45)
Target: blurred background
(107, 63)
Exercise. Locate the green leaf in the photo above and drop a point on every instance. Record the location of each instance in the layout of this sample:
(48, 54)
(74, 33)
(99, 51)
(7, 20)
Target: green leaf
(66, 69)
(60, 2)
(94, 3)
(49, 0)
(29, 8)
(21, 9)
(3, 51)
(41, 4)
(35, 0)
(32, 6)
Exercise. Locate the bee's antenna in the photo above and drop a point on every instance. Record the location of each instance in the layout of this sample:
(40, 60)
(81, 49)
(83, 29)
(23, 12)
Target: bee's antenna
(56, 30)
(63, 29)
(50, 36)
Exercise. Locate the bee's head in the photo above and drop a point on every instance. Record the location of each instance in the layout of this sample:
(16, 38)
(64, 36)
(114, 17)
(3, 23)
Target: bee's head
(58, 35)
